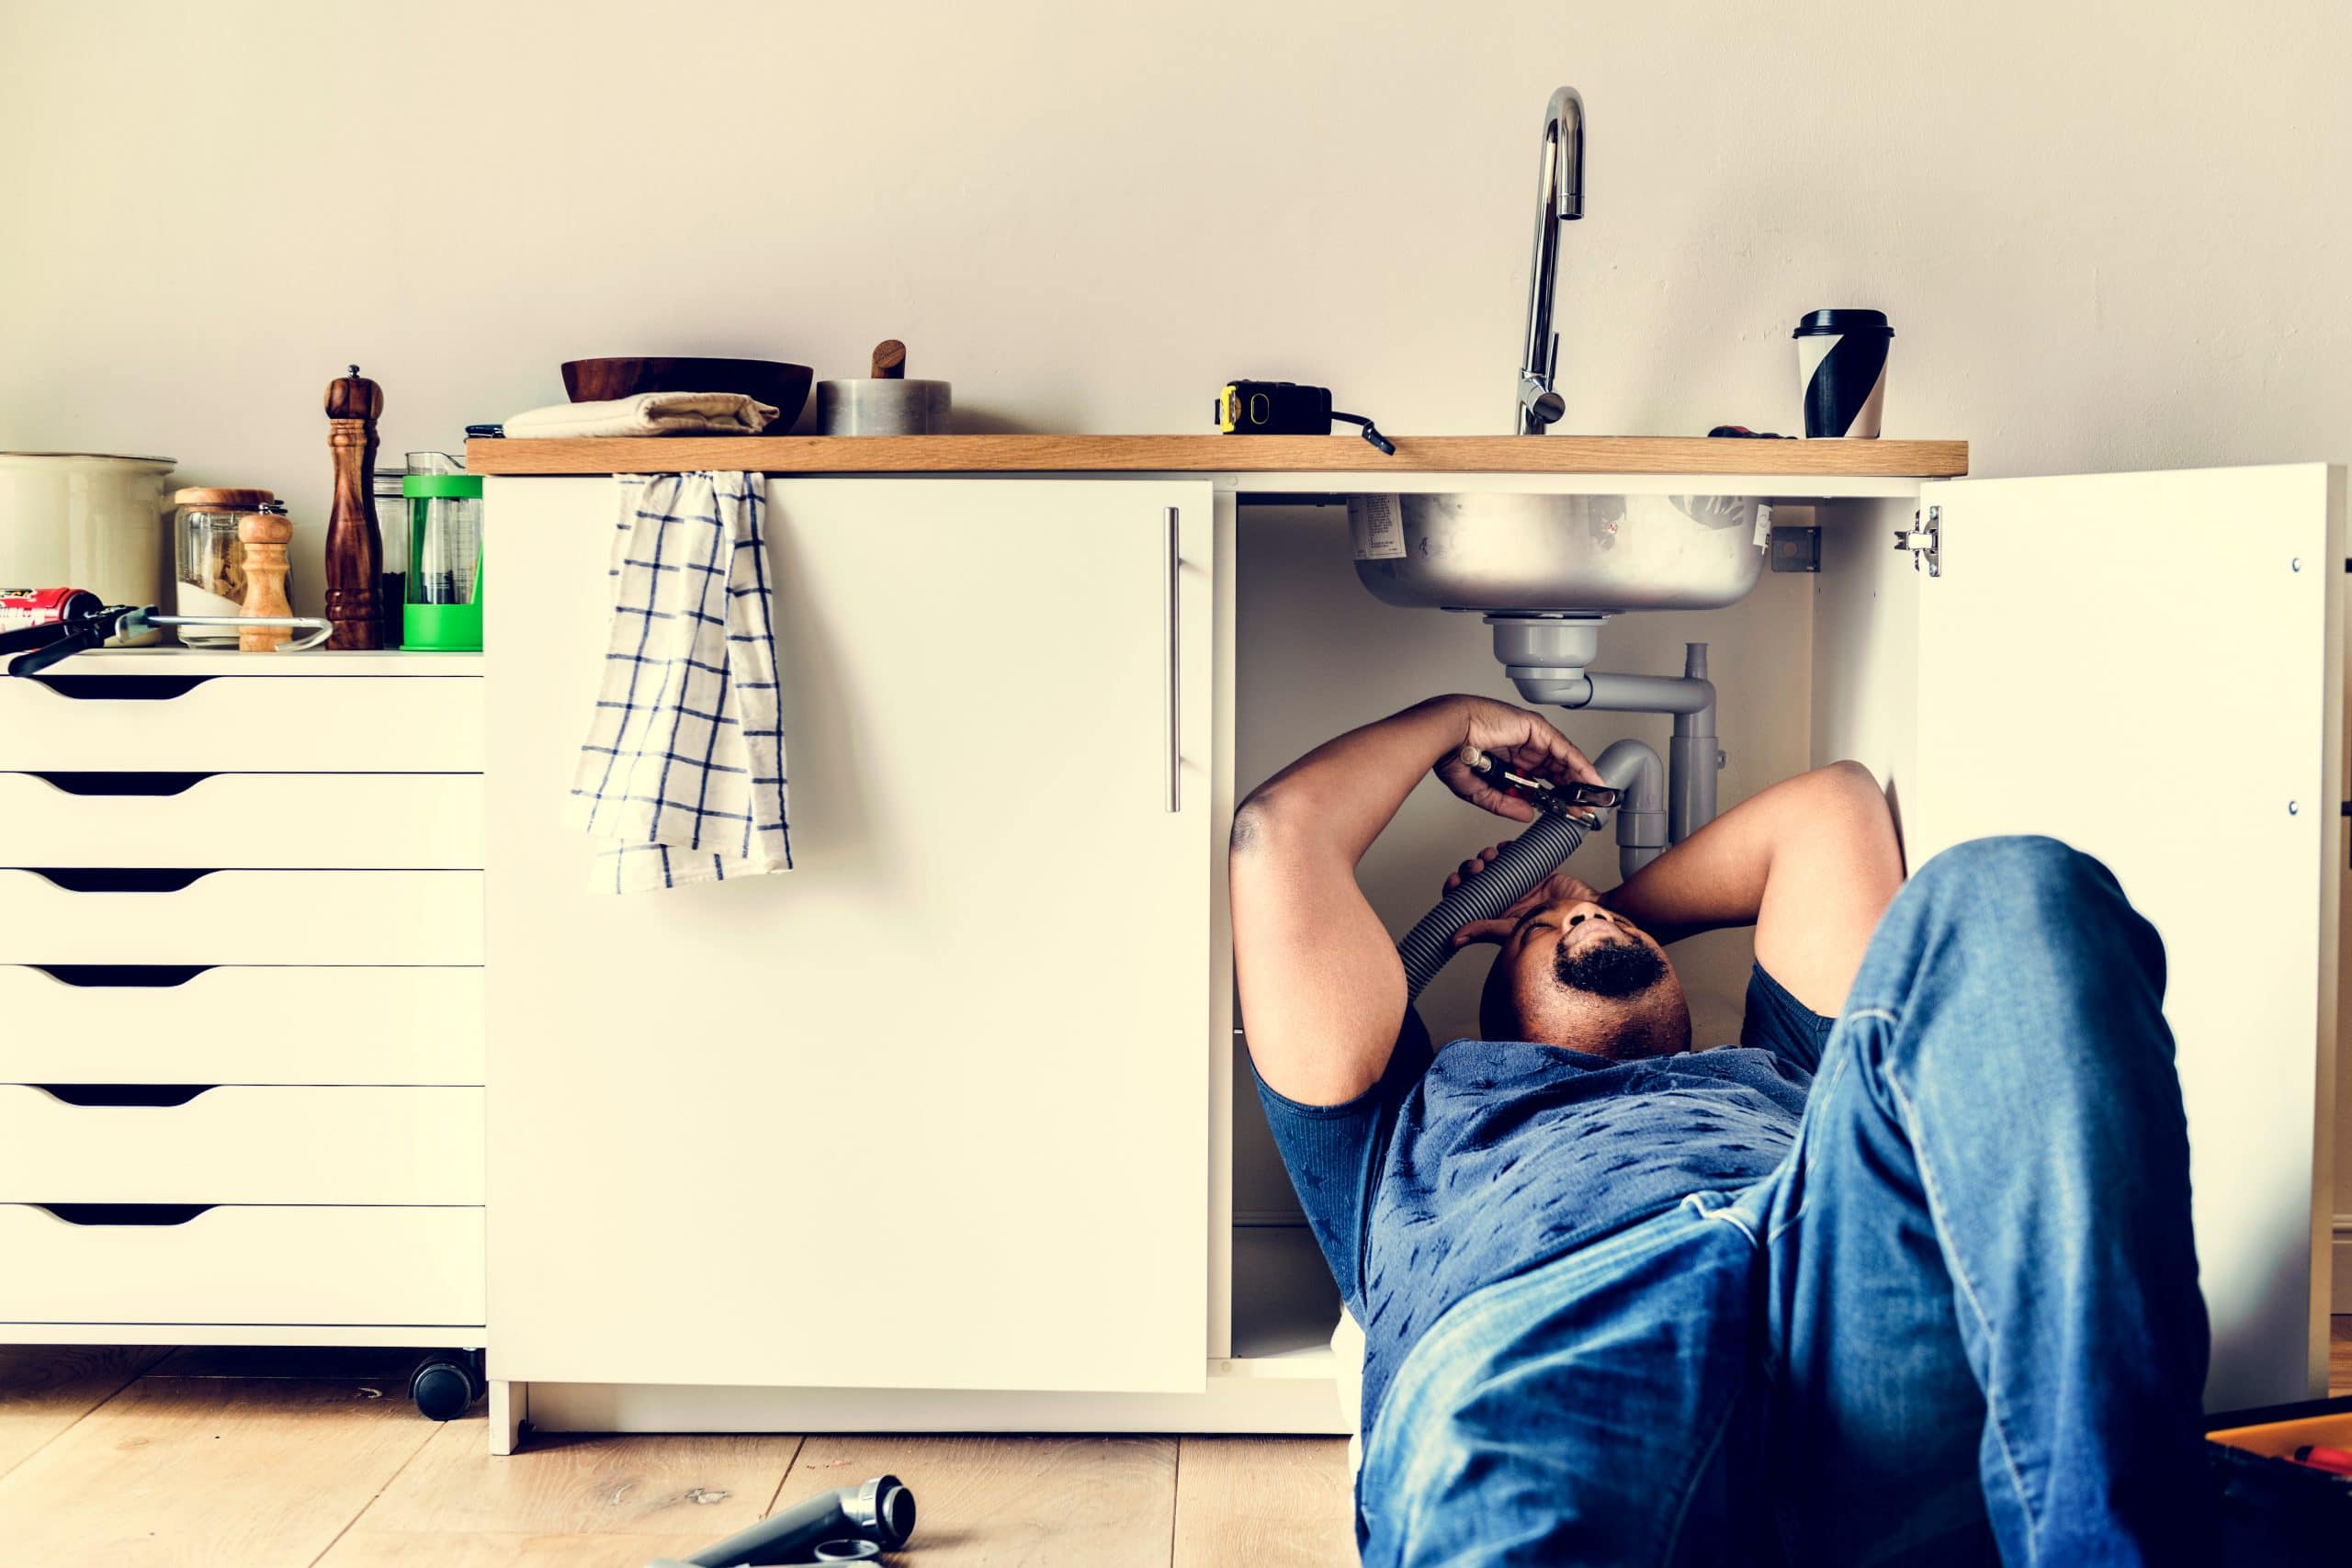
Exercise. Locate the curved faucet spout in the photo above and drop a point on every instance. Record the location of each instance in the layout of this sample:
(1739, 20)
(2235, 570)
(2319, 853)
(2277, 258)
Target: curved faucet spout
(1559, 201)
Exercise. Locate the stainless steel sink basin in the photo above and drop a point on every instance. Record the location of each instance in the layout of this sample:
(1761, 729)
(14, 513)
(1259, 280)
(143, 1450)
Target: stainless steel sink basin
(1594, 554)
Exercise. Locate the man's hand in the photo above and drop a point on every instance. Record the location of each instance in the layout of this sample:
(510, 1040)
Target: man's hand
(1523, 741)
(1561, 884)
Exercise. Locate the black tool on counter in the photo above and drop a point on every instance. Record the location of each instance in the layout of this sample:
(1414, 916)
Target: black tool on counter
(39, 626)
(1286, 408)
(852, 1525)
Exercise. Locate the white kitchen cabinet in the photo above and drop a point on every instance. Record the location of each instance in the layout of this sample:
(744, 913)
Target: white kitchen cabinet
(240, 1033)
(273, 822)
(945, 1128)
(930, 1110)
(168, 708)
(222, 1274)
(243, 1144)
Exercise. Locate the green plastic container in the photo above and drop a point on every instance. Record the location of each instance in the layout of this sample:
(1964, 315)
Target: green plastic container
(443, 607)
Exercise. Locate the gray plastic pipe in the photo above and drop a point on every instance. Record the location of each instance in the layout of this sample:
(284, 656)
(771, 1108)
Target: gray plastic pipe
(1691, 756)
(1632, 768)
(1523, 863)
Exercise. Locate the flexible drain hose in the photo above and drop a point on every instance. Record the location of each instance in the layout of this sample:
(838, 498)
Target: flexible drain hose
(1523, 863)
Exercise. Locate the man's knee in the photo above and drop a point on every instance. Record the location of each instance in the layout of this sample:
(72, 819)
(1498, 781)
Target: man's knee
(2015, 867)
(2033, 895)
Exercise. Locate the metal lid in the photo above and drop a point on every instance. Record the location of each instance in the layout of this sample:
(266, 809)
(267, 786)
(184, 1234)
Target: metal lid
(205, 499)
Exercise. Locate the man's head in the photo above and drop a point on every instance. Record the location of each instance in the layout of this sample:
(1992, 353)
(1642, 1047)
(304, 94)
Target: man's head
(1575, 975)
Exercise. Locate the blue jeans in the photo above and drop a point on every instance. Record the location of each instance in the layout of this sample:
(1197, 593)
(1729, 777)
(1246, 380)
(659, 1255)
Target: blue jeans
(1959, 1324)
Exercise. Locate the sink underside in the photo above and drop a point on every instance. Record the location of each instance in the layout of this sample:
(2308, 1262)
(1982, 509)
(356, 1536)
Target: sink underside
(1588, 554)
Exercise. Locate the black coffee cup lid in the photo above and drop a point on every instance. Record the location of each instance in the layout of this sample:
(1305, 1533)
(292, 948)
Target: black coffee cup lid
(1822, 322)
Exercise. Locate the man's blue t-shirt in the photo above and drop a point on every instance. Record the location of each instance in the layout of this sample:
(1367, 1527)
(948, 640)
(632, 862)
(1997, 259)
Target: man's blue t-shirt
(1494, 1157)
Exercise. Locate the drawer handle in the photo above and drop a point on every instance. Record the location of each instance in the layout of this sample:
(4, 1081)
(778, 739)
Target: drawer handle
(124, 1214)
(146, 975)
(122, 688)
(152, 1095)
(122, 783)
(103, 879)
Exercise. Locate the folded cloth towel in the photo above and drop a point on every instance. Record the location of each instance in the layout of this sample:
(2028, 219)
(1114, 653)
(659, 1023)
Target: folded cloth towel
(649, 413)
(683, 771)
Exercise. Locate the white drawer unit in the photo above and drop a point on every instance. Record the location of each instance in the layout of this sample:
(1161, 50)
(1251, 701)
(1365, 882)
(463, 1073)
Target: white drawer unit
(107, 916)
(240, 1143)
(241, 946)
(228, 1265)
(160, 1023)
(68, 719)
(274, 821)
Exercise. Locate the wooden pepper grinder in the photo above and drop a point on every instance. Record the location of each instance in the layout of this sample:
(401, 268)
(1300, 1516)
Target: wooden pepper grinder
(264, 536)
(355, 544)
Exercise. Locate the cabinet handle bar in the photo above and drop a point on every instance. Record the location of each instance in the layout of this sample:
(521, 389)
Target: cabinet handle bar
(1175, 614)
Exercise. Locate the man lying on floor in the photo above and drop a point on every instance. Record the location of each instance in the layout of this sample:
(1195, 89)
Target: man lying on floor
(1917, 1285)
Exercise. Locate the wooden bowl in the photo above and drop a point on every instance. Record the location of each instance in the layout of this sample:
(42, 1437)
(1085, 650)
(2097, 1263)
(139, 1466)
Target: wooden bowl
(784, 386)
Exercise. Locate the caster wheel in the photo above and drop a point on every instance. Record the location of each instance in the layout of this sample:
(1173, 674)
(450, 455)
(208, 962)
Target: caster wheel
(444, 1388)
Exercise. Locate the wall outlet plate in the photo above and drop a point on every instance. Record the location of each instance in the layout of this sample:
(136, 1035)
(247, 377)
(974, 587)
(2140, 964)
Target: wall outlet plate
(1795, 549)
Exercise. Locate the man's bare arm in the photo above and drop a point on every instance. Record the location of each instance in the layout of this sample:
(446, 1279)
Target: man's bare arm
(1322, 990)
(1812, 862)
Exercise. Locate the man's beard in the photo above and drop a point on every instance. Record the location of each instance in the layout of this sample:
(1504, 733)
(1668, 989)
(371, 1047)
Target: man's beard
(1614, 967)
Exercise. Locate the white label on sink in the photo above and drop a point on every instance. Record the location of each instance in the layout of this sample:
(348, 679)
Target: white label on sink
(1763, 524)
(1377, 524)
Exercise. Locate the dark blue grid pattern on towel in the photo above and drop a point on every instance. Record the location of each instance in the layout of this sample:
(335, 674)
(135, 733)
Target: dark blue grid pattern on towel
(683, 771)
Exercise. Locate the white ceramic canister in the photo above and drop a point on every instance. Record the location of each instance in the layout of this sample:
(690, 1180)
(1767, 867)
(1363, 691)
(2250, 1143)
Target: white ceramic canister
(85, 520)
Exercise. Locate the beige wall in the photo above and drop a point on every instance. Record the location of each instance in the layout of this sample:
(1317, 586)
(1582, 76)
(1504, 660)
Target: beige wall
(2112, 235)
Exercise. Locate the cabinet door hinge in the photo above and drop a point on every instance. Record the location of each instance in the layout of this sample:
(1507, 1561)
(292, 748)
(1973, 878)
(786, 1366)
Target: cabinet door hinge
(1921, 541)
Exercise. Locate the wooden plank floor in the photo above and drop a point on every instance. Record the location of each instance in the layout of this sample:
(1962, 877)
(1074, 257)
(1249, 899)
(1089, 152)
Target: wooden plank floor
(314, 1460)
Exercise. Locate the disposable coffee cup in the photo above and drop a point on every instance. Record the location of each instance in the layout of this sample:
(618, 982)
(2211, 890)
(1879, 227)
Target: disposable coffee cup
(1841, 372)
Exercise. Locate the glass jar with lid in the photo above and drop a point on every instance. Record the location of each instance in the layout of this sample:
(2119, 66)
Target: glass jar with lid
(209, 562)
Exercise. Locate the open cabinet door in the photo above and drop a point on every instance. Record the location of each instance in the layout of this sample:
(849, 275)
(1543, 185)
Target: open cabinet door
(2149, 665)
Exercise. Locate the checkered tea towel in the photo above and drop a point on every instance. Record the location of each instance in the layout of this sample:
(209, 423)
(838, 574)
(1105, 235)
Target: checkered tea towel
(682, 774)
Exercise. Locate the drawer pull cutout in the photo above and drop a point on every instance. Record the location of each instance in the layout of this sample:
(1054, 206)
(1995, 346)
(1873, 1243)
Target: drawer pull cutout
(151, 1095)
(121, 688)
(103, 879)
(123, 1213)
(152, 976)
(122, 783)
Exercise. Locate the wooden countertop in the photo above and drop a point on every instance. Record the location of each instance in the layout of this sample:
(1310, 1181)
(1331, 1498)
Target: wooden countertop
(1218, 454)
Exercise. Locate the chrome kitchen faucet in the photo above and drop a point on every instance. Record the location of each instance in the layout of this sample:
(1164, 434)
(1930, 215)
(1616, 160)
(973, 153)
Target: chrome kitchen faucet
(1560, 201)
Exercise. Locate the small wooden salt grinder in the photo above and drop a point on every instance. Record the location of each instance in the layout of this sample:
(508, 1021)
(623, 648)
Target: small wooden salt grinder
(355, 544)
(264, 535)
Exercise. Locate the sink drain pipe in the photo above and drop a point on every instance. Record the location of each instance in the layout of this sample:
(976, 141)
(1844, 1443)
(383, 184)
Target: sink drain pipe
(1633, 769)
(1547, 657)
